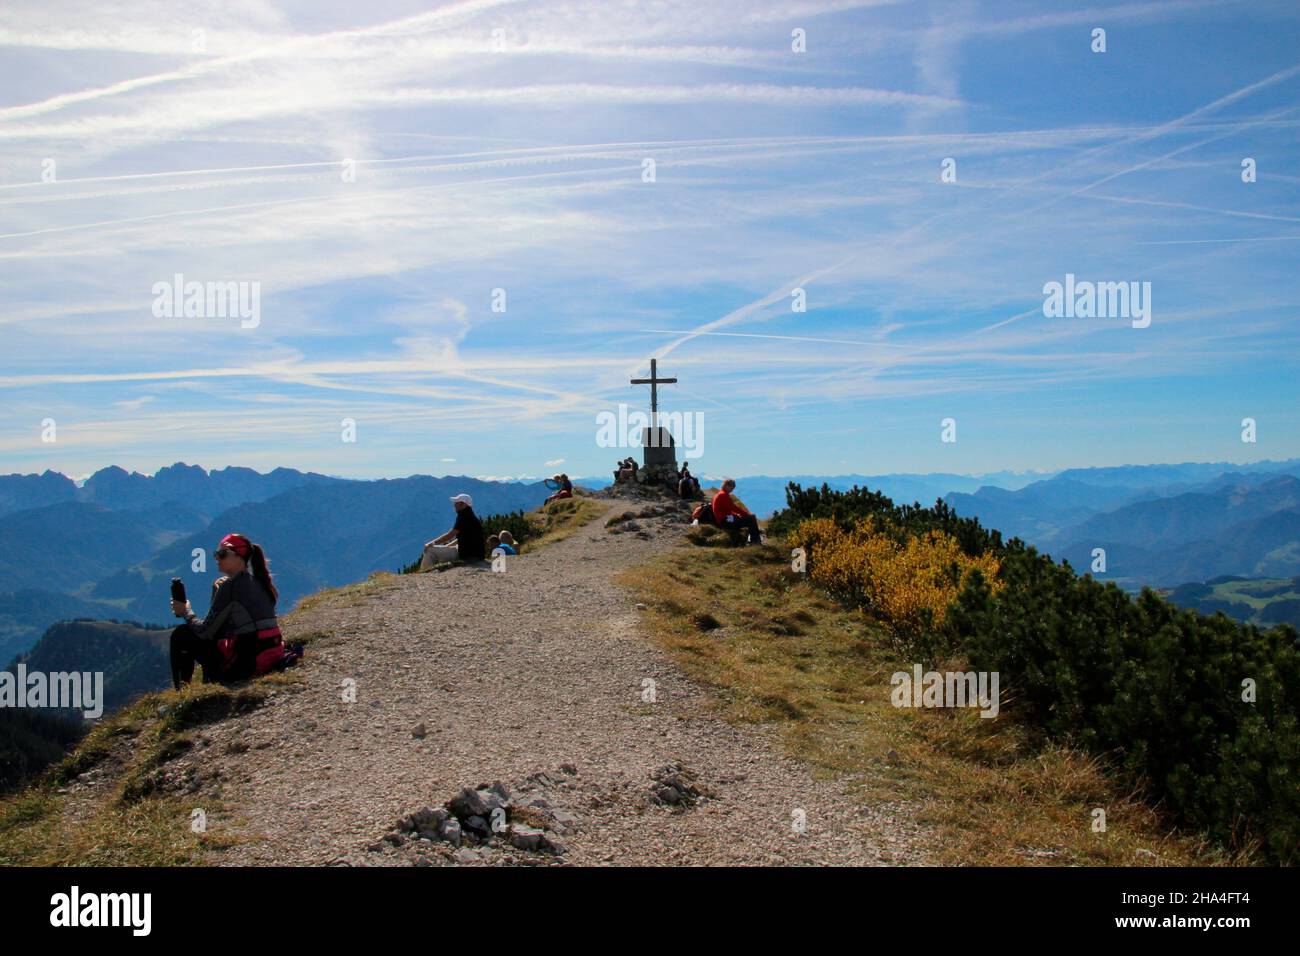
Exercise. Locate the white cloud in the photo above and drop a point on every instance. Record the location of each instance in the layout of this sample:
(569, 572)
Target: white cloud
(522, 170)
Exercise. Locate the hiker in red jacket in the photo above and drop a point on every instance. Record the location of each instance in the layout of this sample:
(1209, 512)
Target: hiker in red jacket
(729, 513)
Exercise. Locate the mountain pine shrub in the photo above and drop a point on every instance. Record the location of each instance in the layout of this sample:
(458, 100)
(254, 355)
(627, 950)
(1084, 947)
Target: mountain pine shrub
(1155, 690)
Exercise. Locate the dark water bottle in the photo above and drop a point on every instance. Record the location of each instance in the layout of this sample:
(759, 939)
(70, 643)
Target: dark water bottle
(178, 590)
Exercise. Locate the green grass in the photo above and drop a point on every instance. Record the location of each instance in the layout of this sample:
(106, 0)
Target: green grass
(1247, 592)
(560, 519)
(130, 818)
(349, 594)
(777, 652)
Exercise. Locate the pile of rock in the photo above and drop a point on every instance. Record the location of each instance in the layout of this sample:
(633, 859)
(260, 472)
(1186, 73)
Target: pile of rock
(651, 517)
(658, 474)
(491, 816)
(651, 482)
(674, 785)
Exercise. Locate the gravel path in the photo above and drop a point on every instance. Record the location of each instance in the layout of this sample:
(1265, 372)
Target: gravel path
(511, 674)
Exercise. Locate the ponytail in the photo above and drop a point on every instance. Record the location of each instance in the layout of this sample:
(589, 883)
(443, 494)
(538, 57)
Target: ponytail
(257, 564)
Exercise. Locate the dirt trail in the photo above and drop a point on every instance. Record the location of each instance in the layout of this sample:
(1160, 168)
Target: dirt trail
(510, 674)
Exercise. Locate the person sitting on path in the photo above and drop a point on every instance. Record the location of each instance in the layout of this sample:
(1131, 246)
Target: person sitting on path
(240, 637)
(464, 542)
(507, 542)
(688, 486)
(729, 512)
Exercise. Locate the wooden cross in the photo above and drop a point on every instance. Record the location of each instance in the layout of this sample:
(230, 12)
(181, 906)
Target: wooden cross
(654, 381)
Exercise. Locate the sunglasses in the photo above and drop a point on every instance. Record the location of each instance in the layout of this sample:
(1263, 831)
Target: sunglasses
(221, 553)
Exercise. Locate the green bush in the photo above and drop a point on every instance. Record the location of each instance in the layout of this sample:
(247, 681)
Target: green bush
(905, 521)
(516, 522)
(1153, 689)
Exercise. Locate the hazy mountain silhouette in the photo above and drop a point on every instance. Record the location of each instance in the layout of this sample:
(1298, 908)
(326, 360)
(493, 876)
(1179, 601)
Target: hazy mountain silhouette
(133, 659)
(25, 614)
(114, 488)
(764, 494)
(62, 547)
(109, 548)
(20, 492)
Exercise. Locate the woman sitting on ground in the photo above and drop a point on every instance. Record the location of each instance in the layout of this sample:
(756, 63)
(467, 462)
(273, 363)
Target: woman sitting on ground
(565, 489)
(240, 637)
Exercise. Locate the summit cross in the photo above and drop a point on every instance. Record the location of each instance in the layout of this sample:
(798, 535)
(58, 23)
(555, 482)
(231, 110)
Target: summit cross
(654, 381)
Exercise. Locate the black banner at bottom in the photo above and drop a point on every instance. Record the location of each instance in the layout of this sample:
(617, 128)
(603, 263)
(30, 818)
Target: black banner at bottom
(174, 905)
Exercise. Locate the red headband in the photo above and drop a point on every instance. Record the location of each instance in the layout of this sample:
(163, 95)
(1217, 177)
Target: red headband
(237, 543)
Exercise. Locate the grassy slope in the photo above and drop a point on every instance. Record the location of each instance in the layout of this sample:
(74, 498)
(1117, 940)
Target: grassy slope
(776, 651)
(560, 519)
(136, 814)
(1244, 592)
(1252, 593)
(139, 815)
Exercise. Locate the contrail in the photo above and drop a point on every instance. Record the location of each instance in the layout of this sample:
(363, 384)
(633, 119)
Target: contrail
(55, 103)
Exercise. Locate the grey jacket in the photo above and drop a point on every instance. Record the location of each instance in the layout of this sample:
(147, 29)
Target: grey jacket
(240, 605)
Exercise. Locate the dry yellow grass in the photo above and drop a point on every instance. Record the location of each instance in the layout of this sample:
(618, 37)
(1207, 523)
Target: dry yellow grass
(775, 650)
(349, 594)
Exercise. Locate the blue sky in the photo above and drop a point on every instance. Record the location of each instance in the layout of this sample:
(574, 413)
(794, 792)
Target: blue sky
(501, 145)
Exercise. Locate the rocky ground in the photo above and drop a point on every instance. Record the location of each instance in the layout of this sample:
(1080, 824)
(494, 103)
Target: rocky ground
(536, 680)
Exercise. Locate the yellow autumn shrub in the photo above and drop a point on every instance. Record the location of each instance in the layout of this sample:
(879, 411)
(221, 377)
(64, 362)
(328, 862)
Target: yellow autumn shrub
(908, 584)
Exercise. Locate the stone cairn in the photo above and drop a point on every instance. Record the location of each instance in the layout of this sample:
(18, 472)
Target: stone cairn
(491, 816)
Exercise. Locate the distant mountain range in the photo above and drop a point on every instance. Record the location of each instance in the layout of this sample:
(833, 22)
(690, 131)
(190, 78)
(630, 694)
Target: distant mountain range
(1160, 525)
(114, 489)
(765, 494)
(110, 547)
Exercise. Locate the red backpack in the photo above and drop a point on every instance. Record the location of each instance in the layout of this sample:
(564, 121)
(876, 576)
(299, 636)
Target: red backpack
(269, 658)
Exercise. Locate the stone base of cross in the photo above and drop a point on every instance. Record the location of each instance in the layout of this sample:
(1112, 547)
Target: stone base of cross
(658, 447)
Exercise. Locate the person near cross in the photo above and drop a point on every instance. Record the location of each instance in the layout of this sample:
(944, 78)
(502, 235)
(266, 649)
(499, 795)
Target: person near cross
(688, 486)
(728, 512)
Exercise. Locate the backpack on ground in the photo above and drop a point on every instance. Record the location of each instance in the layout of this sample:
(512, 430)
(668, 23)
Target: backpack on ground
(704, 514)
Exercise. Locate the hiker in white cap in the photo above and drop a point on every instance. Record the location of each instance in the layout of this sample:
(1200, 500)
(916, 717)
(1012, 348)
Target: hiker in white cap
(464, 542)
